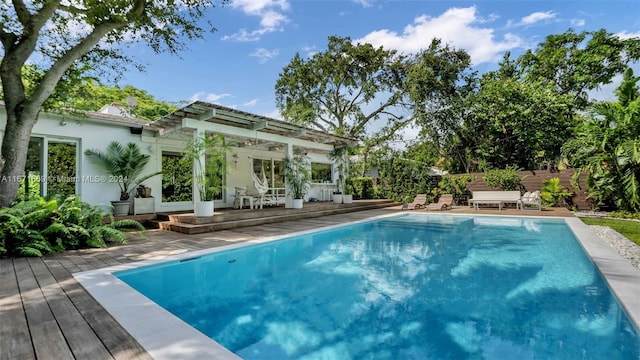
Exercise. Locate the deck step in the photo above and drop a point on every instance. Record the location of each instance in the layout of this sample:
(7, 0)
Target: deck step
(187, 224)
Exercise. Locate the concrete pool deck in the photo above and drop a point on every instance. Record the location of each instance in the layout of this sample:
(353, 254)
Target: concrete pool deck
(47, 314)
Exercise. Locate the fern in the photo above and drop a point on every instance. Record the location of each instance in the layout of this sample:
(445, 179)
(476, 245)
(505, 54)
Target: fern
(38, 227)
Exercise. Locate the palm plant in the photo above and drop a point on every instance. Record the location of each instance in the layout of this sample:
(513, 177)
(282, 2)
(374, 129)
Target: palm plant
(297, 175)
(607, 149)
(125, 163)
(553, 192)
(207, 154)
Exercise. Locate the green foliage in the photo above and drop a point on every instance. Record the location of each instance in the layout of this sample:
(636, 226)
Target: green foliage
(38, 227)
(61, 169)
(209, 172)
(176, 179)
(297, 174)
(400, 177)
(504, 179)
(336, 90)
(606, 147)
(124, 163)
(362, 187)
(553, 192)
(625, 214)
(574, 63)
(456, 185)
(92, 96)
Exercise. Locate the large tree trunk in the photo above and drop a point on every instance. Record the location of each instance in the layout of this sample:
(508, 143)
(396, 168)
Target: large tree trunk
(15, 144)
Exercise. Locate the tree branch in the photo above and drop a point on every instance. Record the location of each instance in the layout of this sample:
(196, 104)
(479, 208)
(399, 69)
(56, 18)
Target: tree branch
(53, 75)
(22, 12)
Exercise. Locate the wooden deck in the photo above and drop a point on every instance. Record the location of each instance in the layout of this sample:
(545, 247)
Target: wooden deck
(46, 314)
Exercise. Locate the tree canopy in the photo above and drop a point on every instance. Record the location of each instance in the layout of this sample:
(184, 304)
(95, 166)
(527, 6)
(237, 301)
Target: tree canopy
(522, 113)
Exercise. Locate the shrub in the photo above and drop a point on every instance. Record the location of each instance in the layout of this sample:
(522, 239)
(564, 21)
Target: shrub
(504, 179)
(38, 227)
(455, 185)
(362, 187)
(553, 192)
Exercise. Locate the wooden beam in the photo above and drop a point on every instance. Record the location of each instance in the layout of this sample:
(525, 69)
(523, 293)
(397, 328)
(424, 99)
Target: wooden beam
(251, 134)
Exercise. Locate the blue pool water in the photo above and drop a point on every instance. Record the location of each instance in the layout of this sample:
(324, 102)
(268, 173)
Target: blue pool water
(407, 287)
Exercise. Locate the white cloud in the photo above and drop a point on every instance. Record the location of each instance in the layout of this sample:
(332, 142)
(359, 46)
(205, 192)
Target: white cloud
(364, 3)
(251, 103)
(265, 55)
(274, 114)
(208, 97)
(578, 22)
(457, 27)
(537, 17)
(271, 17)
(534, 18)
(627, 35)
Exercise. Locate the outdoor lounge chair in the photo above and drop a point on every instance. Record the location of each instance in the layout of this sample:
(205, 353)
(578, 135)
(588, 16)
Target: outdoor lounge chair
(530, 200)
(418, 202)
(444, 203)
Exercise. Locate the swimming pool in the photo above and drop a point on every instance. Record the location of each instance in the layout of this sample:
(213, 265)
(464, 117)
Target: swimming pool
(468, 287)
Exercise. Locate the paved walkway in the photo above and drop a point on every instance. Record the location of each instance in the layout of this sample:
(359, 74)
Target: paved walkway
(46, 314)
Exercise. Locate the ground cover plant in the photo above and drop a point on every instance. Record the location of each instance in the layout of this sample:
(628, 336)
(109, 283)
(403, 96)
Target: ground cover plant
(629, 229)
(38, 227)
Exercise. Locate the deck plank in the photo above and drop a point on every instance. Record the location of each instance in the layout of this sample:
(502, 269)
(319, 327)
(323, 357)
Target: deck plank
(113, 337)
(48, 340)
(83, 342)
(15, 339)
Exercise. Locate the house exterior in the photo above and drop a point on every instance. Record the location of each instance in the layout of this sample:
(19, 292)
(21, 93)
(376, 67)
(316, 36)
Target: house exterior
(56, 161)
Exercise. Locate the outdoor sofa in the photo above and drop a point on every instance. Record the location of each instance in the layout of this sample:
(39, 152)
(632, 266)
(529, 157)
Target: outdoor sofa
(498, 198)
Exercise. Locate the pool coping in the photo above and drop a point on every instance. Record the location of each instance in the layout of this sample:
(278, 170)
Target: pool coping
(165, 336)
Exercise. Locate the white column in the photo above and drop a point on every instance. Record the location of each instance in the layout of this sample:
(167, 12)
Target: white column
(196, 164)
(288, 199)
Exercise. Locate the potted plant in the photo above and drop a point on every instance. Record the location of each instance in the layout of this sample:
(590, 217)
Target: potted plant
(347, 197)
(298, 177)
(339, 155)
(208, 156)
(125, 164)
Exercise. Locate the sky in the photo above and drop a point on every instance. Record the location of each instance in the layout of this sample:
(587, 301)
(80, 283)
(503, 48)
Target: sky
(238, 65)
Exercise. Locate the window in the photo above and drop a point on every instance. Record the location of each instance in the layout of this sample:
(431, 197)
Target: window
(176, 178)
(61, 168)
(52, 171)
(320, 172)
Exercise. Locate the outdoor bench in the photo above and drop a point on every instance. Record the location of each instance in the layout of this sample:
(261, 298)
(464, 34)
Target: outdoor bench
(494, 198)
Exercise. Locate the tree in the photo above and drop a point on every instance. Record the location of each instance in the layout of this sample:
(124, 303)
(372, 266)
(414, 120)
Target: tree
(91, 96)
(578, 62)
(335, 90)
(606, 147)
(68, 37)
(518, 123)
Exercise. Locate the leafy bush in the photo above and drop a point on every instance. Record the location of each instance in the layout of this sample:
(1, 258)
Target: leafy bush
(455, 185)
(506, 179)
(623, 214)
(362, 187)
(38, 227)
(553, 192)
